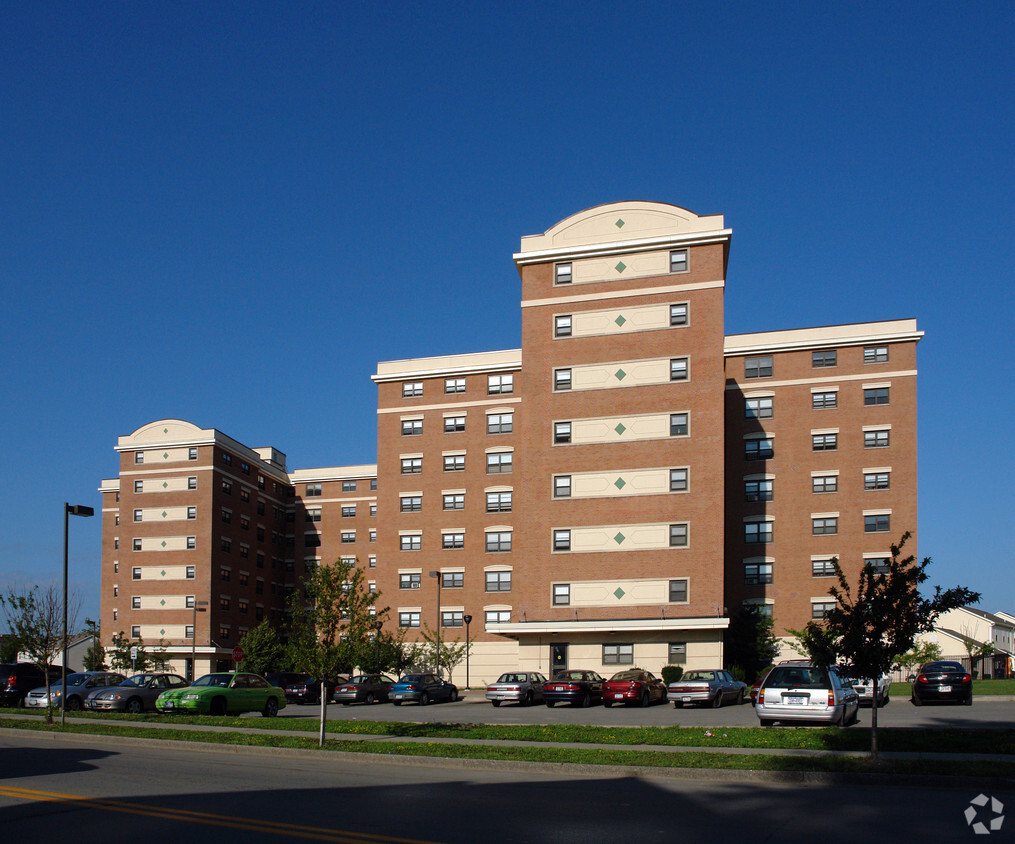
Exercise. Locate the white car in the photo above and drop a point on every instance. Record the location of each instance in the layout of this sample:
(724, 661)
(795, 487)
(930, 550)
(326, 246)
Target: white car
(864, 688)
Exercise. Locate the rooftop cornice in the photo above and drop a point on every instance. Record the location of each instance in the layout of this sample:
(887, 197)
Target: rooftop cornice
(625, 247)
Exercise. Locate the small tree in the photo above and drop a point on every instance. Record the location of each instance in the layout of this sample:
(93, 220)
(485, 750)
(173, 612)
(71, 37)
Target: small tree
(263, 650)
(868, 627)
(920, 653)
(119, 657)
(95, 656)
(9, 648)
(35, 617)
(451, 652)
(750, 642)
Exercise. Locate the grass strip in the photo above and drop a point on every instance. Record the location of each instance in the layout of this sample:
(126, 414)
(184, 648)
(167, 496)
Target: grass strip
(574, 756)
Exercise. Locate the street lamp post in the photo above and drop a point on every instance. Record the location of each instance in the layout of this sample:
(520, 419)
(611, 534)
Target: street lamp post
(467, 619)
(377, 626)
(199, 606)
(68, 510)
(437, 574)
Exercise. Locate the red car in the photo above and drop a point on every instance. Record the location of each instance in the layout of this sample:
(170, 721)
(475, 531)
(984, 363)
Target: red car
(633, 686)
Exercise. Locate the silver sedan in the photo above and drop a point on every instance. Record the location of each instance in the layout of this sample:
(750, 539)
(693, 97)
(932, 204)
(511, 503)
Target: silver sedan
(135, 695)
(522, 687)
(713, 687)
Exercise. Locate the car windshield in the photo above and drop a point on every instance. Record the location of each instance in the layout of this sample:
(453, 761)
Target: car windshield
(359, 680)
(797, 677)
(213, 680)
(626, 675)
(512, 678)
(699, 675)
(138, 680)
(77, 679)
(412, 678)
(937, 667)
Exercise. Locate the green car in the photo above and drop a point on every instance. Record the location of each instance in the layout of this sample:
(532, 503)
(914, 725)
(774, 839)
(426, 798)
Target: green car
(224, 694)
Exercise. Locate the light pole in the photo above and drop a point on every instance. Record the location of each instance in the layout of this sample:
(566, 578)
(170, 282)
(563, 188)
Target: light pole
(199, 606)
(377, 626)
(68, 510)
(467, 619)
(437, 574)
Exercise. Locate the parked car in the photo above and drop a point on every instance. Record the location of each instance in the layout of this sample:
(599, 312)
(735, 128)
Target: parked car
(522, 687)
(307, 689)
(224, 694)
(942, 680)
(574, 686)
(422, 688)
(135, 694)
(17, 679)
(364, 688)
(79, 686)
(865, 690)
(713, 687)
(803, 692)
(633, 686)
(281, 679)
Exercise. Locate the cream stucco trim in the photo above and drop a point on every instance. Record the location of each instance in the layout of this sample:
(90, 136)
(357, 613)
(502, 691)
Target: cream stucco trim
(801, 382)
(898, 331)
(430, 367)
(606, 295)
(517, 628)
(457, 409)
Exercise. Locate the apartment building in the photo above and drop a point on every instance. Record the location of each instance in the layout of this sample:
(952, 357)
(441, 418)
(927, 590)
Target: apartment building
(608, 494)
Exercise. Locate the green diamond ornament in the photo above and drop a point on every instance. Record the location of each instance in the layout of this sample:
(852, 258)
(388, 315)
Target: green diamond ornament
(620, 483)
(163, 543)
(165, 455)
(619, 538)
(162, 602)
(621, 267)
(620, 375)
(620, 428)
(165, 484)
(163, 572)
(619, 224)
(619, 593)
(620, 320)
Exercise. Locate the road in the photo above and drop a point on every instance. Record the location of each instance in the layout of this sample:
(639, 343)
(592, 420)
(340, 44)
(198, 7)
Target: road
(109, 790)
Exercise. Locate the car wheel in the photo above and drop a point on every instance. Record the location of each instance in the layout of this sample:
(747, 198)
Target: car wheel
(586, 701)
(968, 701)
(677, 704)
(397, 702)
(549, 703)
(370, 698)
(74, 704)
(218, 706)
(134, 706)
(717, 700)
(453, 696)
(424, 699)
(346, 702)
(496, 703)
(607, 703)
(270, 708)
(740, 698)
(765, 722)
(916, 701)
(528, 699)
(644, 699)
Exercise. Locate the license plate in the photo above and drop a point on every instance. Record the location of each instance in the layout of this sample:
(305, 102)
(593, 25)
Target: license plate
(558, 688)
(794, 700)
(686, 699)
(944, 688)
(170, 704)
(618, 696)
(397, 697)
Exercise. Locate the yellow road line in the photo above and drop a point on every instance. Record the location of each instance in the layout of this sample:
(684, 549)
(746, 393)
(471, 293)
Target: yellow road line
(209, 819)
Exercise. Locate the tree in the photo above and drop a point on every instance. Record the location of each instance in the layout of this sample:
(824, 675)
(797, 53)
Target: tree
(917, 655)
(332, 623)
(451, 653)
(35, 618)
(263, 651)
(120, 659)
(750, 642)
(867, 628)
(95, 656)
(9, 648)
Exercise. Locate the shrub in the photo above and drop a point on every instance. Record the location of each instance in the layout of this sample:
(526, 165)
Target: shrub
(672, 673)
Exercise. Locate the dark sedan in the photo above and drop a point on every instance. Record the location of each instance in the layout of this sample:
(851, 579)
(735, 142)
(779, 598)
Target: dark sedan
(574, 686)
(942, 681)
(633, 686)
(307, 689)
(364, 688)
(422, 688)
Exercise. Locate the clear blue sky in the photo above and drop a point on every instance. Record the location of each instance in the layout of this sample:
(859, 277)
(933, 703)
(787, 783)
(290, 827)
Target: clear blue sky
(193, 195)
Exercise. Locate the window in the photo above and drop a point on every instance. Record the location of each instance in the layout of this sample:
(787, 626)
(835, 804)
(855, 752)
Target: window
(453, 579)
(498, 502)
(191, 574)
(678, 535)
(875, 395)
(313, 514)
(824, 483)
(454, 463)
(562, 432)
(454, 385)
(188, 631)
(192, 454)
(410, 503)
(822, 568)
(875, 354)
(875, 439)
(879, 523)
(500, 423)
(244, 578)
(452, 618)
(562, 486)
(498, 581)
(678, 369)
(412, 465)
(678, 591)
(191, 543)
(562, 540)
(454, 501)
(138, 486)
(677, 653)
(618, 654)
(373, 509)
(819, 609)
(259, 612)
(348, 486)
(138, 457)
(562, 379)
(498, 541)
(225, 574)
(561, 594)
(562, 274)
(372, 536)
(876, 480)
(138, 515)
(348, 511)
(500, 384)
(759, 449)
(453, 424)
(135, 602)
(245, 467)
(756, 574)
(408, 619)
(373, 484)
(762, 490)
(227, 516)
(562, 325)
(192, 513)
(223, 603)
(498, 616)
(242, 605)
(410, 542)
(678, 261)
(312, 490)
(499, 462)
(824, 525)
(824, 358)
(135, 631)
(348, 537)
(758, 367)
(881, 565)
(409, 581)
(137, 544)
(678, 314)
(452, 540)
(412, 427)
(259, 587)
(678, 480)
(821, 401)
(135, 573)
(227, 459)
(824, 442)
(758, 408)
(412, 388)
(226, 544)
(758, 532)
(678, 424)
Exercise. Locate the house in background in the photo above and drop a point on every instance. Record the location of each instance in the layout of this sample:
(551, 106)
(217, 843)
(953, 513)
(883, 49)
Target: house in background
(961, 632)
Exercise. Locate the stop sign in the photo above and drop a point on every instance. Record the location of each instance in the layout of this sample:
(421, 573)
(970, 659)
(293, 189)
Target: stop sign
(237, 654)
